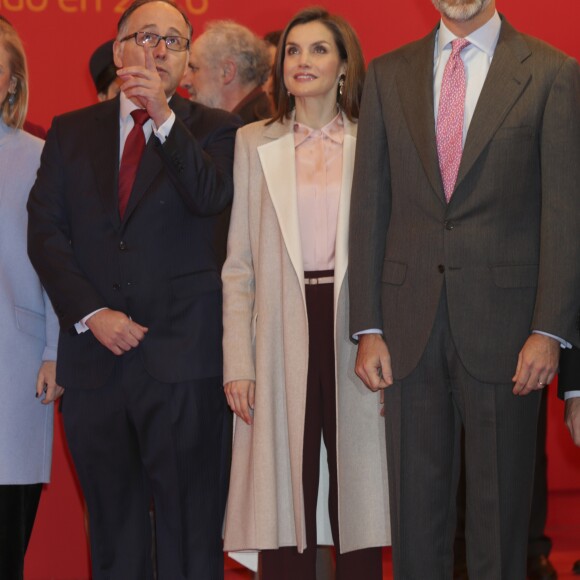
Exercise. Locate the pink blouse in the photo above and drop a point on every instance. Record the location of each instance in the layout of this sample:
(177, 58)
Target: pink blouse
(318, 185)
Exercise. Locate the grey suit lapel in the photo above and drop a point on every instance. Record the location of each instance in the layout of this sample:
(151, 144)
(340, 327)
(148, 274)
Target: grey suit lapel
(415, 88)
(507, 78)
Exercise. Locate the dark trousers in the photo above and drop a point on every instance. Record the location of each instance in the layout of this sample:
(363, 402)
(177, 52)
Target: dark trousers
(136, 439)
(287, 563)
(18, 506)
(425, 413)
(538, 543)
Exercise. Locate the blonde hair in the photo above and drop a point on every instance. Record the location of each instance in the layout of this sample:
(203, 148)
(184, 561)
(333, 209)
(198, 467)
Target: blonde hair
(14, 114)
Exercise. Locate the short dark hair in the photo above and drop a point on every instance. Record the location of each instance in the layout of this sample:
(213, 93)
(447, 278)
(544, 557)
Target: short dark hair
(138, 3)
(349, 50)
(273, 37)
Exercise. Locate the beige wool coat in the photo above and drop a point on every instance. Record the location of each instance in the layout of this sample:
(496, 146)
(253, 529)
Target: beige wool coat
(266, 340)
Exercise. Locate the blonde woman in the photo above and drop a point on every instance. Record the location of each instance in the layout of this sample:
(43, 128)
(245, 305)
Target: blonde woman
(28, 325)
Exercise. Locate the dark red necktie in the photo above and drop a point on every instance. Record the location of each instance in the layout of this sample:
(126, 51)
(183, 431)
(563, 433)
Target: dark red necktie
(132, 152)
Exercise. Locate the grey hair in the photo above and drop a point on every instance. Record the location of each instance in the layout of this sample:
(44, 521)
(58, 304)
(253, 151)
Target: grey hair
(226, 39)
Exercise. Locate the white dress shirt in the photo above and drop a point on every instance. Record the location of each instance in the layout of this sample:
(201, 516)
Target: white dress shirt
(476, 57)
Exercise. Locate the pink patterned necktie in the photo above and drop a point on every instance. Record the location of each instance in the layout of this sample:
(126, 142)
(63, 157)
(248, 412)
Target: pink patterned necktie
(450, 117)
(132, 153)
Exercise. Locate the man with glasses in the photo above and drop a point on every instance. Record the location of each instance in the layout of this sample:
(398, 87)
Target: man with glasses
(121, 226)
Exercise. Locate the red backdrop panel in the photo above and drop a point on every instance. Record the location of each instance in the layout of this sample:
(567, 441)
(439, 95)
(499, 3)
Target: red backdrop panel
(59, 37)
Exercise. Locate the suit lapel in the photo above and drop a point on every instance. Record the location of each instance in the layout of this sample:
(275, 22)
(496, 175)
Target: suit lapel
(415, 88)
(506, 80)
(151, 164)
(277, 157)
(342, 227)
(105, 157)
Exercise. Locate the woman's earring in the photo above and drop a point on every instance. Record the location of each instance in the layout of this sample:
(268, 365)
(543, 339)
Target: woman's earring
(11, 99)
(341, 84)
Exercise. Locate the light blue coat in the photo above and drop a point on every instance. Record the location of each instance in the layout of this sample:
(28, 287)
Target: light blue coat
(28, 325)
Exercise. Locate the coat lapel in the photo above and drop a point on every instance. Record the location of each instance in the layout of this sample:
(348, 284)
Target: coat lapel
(105, 156)
(342, 228)
(277, 157)
(415, 88)
(507, 78)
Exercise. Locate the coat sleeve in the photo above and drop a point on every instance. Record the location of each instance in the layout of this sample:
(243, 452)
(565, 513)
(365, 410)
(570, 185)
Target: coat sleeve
(51, 330)
(369, 211)
(559, 275)
(569, 375)
(202, 175)
(239, 280)
(49, 240)
(569, 372)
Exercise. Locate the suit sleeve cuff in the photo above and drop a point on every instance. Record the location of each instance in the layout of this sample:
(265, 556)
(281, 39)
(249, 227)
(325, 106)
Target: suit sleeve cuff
(563, 343)
(81, 325)
(356, 335)
(163, 131)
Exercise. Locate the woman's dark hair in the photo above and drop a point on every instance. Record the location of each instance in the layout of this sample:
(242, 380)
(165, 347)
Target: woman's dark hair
(349, 50)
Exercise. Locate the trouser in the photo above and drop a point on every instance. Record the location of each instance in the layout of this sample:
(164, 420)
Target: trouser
(286, 563)
(425, 413)
(538, 543)
(136, 439)
(18, 506)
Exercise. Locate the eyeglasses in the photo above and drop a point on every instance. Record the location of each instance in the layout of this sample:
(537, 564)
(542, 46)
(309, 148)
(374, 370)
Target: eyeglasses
(175, 43)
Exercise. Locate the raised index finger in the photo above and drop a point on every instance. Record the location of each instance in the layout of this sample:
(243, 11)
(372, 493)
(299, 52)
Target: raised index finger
(149, 60)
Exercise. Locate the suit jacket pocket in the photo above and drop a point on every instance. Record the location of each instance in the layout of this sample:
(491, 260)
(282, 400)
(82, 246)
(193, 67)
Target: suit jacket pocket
(520, 276)
(30, 322)
(515, 132)
(394, 273)
(195, 283)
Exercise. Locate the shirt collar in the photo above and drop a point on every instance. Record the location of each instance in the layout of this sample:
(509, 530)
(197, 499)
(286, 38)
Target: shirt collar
(484, 38)
(126, 107)
(333, 130)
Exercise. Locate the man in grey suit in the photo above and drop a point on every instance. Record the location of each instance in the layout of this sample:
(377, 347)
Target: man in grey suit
(464, 272)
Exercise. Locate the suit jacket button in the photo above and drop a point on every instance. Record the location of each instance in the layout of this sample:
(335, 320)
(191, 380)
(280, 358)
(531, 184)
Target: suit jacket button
(116, 286)
(441, 268)
(449, 225)
(122, 246)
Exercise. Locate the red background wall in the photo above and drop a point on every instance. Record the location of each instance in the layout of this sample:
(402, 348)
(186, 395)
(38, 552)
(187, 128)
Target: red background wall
(59, 37)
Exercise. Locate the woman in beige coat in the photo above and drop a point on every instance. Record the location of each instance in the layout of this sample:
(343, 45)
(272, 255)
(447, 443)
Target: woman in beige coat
(289, 362)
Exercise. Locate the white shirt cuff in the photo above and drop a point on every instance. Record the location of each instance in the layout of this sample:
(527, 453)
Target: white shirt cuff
(356, 335)
(81, 326)
(571, 395)
(163, 132)
(563, 343)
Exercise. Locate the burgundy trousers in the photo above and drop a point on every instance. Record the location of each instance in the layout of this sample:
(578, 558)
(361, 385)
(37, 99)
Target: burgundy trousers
(286, 563)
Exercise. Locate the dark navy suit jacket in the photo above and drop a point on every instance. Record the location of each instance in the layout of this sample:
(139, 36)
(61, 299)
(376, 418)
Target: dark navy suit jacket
(158, 265)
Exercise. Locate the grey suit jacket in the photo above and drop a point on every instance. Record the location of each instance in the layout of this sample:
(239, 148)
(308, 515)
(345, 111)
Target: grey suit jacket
(506, 248)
